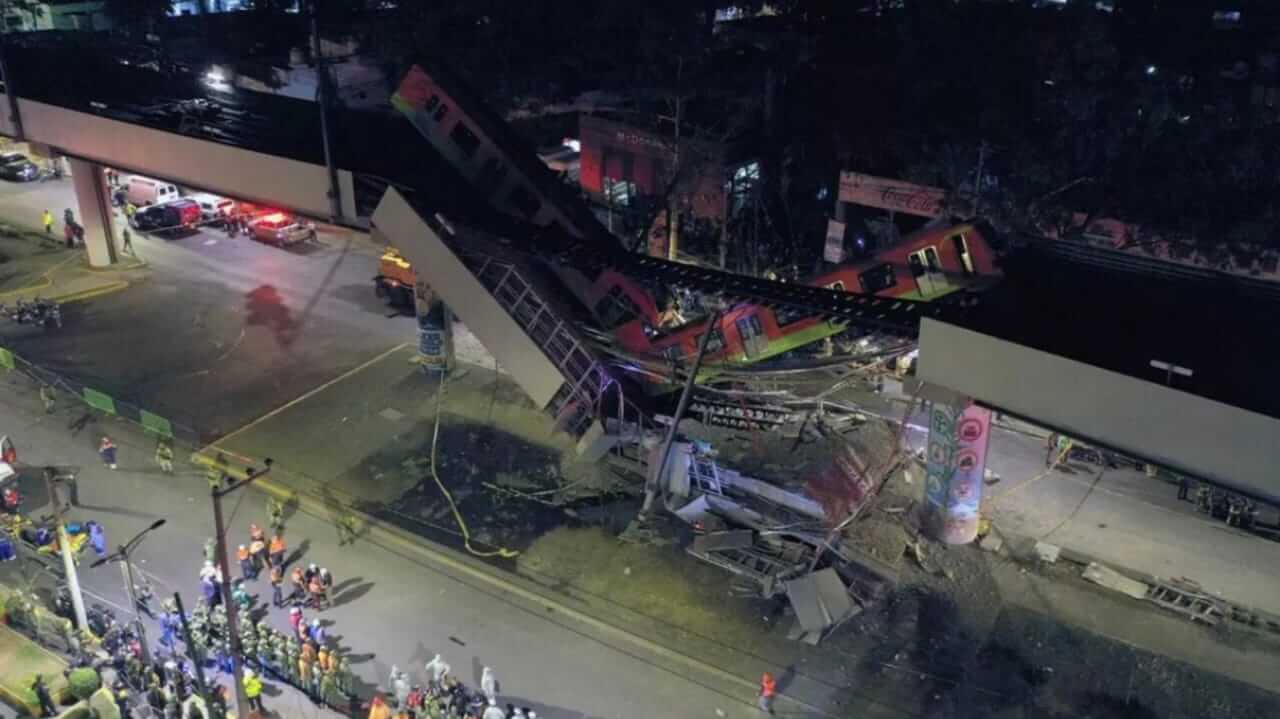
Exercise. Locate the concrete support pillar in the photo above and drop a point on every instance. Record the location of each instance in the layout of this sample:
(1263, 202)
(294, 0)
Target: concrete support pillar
(435, 331)
(955, 465)
(94, 212)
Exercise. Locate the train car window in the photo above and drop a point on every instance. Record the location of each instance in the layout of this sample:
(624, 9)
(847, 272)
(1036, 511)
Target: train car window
(440, 111)
(616, 309)
(932, 260)
(879, 278)
(962, 251)
(790, 315)
(464, 139)
(838, 286)
(432, 103)
(915, 261)
(715, 343)
(674, 353)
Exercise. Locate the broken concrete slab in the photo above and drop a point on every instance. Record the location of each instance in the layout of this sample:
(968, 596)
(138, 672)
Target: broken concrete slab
(1107, 577)
(820, 600)
(991, 542)
(1047, 553)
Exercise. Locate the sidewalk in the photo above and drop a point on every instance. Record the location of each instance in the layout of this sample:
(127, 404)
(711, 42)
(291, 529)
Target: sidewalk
(33, 264)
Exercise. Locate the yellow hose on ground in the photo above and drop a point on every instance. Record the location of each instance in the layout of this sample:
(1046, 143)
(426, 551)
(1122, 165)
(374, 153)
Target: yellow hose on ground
(457, 516)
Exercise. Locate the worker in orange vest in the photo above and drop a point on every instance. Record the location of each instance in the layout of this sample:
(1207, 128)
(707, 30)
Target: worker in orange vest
(256, 534)
(768, 688)
(299, 581)
(316, 589)
(277, 550)
(246, 562)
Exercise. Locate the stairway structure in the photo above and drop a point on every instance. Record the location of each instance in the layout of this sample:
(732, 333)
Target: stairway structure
(502, 302)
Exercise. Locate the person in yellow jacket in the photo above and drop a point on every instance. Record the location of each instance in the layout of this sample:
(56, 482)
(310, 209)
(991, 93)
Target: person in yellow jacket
(378, 708)
(253, 690)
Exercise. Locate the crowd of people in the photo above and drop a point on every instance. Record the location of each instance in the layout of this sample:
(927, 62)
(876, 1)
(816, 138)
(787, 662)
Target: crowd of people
(304, 656)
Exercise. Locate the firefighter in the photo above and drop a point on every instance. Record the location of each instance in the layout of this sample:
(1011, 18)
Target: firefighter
(258, 552)
(1204, 499)
(1233, 511)
(164, 456)
(275, 514)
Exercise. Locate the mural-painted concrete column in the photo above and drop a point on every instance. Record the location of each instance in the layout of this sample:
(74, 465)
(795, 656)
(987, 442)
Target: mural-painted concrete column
(94, 212)
(435, 331)
(956, 462)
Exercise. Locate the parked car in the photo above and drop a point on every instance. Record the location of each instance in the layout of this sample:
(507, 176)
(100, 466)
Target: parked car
(144, 191)
(15, 167)
(171, 217)
(278, 228)
(214, 208)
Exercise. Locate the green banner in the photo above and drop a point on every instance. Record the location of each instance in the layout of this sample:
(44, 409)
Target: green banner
(6, 358)
(157, 424)
(99, 401)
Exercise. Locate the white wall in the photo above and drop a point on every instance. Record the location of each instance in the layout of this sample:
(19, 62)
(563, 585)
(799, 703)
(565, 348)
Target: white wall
(219, 168)
(1199, 436)
(437, 266)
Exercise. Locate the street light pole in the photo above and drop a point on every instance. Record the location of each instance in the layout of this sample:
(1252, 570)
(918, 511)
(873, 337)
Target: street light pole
(220, 532)
(64, 548)
(126, 569)
(197, 659)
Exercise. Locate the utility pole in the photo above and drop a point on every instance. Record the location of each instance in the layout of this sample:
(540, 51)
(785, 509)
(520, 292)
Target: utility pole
(15, 117)
(64, 548)
(323, 92)
(653, 481)
(673, 201)
(220, 532)
(977, 182)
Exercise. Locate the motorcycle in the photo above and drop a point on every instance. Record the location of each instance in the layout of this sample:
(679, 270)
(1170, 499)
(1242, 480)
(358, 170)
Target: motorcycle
(44, 313)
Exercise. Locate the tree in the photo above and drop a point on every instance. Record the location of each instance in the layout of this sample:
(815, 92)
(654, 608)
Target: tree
(83, 682)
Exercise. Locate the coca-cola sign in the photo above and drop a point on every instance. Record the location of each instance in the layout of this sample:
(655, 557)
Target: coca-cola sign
(895, 195)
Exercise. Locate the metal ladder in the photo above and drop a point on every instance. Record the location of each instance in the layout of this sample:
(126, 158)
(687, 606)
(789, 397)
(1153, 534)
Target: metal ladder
(574, 404)
(1186, 598)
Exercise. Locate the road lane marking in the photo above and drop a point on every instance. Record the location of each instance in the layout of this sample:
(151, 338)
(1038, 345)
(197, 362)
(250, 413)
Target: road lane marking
(305, 396)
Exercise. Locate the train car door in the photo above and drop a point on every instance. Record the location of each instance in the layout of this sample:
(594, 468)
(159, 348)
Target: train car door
(926, 270)
(754, 340)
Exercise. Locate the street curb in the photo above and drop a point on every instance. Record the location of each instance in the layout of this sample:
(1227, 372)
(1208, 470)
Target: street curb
(91, 293)
(43, 283)
(137, 264)
(513, 584)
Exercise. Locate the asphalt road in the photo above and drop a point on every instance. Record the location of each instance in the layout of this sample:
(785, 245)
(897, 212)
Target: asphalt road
(389, 609)
(224, 328)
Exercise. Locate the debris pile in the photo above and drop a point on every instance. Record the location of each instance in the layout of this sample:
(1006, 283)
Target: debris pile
(800, 543)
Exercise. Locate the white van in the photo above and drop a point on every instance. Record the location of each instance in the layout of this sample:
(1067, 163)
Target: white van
(212, 207)
(145, 191)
